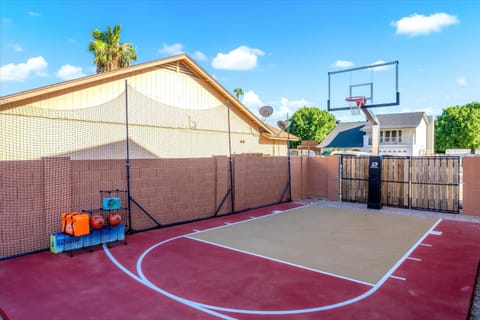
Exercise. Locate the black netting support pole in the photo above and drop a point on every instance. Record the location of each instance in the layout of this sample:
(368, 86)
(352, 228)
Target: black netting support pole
(289, 173)
(230, 160)
(127, 159)
(288, 185)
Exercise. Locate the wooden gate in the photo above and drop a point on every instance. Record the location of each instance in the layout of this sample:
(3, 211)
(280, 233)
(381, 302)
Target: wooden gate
(423, 183)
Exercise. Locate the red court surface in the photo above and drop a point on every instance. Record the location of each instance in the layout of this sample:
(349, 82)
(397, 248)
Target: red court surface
(162, 274)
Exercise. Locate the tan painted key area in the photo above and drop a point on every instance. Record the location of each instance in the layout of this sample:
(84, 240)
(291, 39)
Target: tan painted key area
(359, 245)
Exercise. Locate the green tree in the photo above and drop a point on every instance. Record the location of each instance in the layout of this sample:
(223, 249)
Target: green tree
(458, 127)
(238, 92)
(311, 123)
(109, 53)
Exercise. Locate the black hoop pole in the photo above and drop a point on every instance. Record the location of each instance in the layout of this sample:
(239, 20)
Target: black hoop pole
(127, 159)
(288, 157)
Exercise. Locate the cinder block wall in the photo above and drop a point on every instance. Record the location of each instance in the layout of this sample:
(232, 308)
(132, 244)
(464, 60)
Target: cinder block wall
(315, 177)
(89, 177)
(259, 181)
(471, 186)
(297, 177)
(320, 177)
(22, 221)
(35, 193)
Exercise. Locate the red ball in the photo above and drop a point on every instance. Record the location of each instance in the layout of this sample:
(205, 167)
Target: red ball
(114, 219)
(97, 222)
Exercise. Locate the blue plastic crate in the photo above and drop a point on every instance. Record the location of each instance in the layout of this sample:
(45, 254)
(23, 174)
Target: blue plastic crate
(108, 235)
(93, 239)
(120, 231)
(73, 242)
(57, 242)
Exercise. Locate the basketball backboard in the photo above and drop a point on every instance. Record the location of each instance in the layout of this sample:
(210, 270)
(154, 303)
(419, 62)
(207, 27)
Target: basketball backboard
(378, 83)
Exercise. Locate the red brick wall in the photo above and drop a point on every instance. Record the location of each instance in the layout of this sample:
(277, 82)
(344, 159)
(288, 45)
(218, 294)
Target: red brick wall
(471, 186)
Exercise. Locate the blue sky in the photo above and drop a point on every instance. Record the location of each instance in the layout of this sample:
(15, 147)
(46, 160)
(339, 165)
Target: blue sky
(278, 52)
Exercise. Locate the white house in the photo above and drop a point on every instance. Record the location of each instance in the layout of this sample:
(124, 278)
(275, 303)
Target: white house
(401, 134)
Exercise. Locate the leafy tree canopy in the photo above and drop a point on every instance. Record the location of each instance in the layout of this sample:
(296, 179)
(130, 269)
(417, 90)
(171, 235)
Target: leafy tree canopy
(311, 123)
(458, 127)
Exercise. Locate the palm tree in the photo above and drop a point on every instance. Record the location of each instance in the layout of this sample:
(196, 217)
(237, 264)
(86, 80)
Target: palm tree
(238, 92)
(109, 53)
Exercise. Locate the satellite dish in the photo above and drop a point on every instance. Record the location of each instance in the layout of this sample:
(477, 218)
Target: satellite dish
(283, 124)
(265, 111)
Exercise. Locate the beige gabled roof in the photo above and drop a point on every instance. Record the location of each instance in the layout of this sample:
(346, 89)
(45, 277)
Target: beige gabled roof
(181, 61)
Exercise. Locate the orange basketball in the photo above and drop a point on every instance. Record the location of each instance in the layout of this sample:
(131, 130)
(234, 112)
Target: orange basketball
(114, 219)
(97, 222)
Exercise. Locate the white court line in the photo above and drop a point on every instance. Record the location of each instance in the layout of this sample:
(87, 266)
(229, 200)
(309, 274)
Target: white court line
(252, 217)
(163, 292)
(425, 244)
(398, 278)
(209, 308)
(414, 259)
(282, 261)
(436, 233)
(246, 220)
(336, 305)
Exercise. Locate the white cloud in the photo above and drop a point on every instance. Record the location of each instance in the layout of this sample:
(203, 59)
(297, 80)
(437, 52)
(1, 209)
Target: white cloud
(15, 47)
(342, 64)
(418, 24)
(242, 58)
(428, 110)
(171, 49)
(461, 81)
(251, 100)
(69, 72)
(382, 68)
(20, 72)
(289, 107)
(33, 14)
(200, 56)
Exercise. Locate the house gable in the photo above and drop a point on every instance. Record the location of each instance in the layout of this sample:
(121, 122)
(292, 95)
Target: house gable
(171, 98)
(407, 120)
(181, 64)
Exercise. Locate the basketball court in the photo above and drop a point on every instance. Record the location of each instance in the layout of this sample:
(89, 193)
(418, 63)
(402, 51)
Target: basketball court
(288, 261)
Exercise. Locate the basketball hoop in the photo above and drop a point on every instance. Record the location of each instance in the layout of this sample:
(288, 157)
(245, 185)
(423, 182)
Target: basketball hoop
(355, 104)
